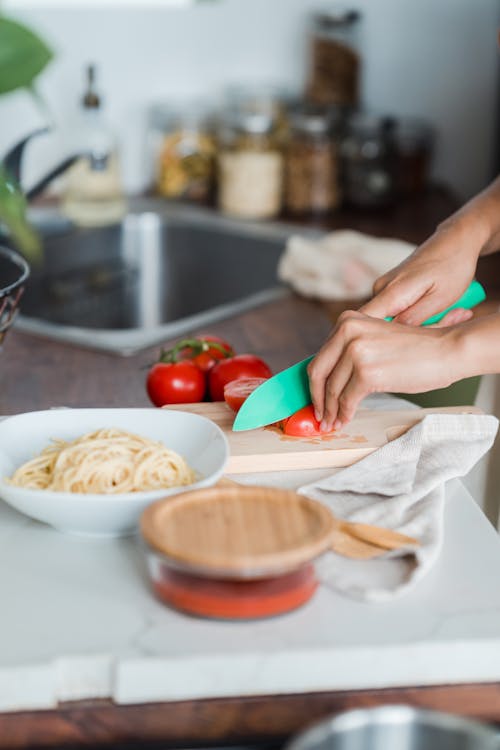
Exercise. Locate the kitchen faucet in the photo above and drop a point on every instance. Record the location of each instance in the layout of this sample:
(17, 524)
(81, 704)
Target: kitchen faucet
(13, 161)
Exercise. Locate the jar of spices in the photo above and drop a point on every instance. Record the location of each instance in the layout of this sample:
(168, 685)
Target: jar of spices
(334, 67)
(369, 161)
(184, 148)
(311, 173)
(250, 166)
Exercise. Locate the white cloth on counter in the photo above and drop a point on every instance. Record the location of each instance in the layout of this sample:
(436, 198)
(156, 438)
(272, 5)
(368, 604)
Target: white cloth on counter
(401, 486)
(341, 265)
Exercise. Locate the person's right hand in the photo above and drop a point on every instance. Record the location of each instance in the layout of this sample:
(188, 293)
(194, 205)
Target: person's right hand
(430, 280)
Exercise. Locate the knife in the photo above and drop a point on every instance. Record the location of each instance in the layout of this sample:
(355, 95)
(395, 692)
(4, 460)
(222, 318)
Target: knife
(288, 391)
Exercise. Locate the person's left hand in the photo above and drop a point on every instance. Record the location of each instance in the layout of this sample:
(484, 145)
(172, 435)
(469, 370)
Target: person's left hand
(366, 355)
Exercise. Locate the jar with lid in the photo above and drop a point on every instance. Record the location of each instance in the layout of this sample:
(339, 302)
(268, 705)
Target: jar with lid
(334, 67)
(265, 99)
(184, 152)
(311, 167)
(414, 145)
(369, 161)
(250, 166)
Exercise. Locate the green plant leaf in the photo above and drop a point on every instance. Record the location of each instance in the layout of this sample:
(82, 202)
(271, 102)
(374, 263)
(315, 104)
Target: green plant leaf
(23, 55)
(13, 217)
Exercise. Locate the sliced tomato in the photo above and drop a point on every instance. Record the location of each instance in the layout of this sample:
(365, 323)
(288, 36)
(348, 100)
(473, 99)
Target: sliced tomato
(303, 424)
(234, 368)
(237, 391)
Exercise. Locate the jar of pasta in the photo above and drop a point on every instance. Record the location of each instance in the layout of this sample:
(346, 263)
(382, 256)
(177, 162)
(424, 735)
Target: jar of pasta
(334, 66)
(250, 166)
(311, 167)
(184, 153)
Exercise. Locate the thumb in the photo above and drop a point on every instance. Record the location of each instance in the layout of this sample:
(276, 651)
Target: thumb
(427, 306)
(391, 301)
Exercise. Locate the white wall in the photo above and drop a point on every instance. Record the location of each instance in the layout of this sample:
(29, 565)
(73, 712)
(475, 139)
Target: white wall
(433, 58)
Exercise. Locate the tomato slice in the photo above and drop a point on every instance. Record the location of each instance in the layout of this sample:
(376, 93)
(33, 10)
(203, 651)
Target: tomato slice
(235, 368)
(303, 424)
(237, 391)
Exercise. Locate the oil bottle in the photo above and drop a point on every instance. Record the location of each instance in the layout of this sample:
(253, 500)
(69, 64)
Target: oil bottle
(93, 194)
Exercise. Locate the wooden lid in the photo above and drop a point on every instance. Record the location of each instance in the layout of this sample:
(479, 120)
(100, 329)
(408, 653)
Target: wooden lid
(238, 532)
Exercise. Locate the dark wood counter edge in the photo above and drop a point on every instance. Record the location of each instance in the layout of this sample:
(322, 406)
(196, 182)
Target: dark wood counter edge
(267, 720)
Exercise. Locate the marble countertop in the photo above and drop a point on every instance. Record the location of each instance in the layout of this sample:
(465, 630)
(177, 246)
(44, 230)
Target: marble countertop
(78, 621)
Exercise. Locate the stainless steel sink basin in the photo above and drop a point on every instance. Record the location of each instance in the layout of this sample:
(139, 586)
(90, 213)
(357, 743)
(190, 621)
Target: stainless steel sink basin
(158, 274)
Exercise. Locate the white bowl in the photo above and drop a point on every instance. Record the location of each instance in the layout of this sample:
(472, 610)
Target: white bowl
(200, 441)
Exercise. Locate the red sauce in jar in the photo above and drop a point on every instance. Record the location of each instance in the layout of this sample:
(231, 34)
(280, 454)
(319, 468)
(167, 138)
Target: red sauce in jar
(230, 599)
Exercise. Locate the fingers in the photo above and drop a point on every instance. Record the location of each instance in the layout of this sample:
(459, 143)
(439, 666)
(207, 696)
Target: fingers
(324, 363)
(381, 282)
(454, 317)
(424, 308)
(334, 388)
(394, 299)
(354, 392)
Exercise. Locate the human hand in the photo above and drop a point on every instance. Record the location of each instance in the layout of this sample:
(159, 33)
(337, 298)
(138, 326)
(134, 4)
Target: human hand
(364, 355)
(430, 280)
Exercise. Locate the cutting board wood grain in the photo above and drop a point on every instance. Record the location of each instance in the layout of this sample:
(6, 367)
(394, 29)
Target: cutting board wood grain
(268, 449)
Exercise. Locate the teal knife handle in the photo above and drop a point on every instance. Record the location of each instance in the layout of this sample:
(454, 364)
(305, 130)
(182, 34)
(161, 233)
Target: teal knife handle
(472, 296)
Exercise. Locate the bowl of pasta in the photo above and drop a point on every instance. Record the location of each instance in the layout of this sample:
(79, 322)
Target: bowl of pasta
(93, 471)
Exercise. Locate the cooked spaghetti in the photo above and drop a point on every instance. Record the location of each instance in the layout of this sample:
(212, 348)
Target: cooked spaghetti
(106, 461)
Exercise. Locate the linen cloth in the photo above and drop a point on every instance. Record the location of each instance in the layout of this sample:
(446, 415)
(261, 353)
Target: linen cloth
(401, 486)
(341, 265)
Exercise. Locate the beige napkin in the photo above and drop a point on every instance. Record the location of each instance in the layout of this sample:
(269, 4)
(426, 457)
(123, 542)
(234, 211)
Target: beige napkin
(401, 486)
(340, 265)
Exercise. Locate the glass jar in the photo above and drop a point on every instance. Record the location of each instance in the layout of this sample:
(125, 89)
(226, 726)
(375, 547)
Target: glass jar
(334, 68)
(311, 173)
(369, 161)
(414, 145)
(250, 167)
(184, 148)
(272, 101)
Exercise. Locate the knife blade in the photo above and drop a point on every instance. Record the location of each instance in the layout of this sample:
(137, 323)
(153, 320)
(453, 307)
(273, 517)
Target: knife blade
(288, 391)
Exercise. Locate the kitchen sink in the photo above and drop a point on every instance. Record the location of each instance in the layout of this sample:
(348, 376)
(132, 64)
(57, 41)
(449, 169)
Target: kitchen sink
(161, 272)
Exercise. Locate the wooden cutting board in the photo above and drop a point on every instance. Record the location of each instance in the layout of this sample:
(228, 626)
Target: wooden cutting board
(268, 449)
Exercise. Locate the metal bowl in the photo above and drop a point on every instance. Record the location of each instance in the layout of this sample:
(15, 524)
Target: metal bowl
(14, 272)
(397, 728)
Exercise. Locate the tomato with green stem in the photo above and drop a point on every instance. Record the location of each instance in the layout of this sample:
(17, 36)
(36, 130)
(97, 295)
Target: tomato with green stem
(203, 350)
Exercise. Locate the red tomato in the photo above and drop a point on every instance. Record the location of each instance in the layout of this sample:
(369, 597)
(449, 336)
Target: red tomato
(302, 424)
(237, 391)
(203, 361)
(175, 383)
(202, 354)
(240, 366)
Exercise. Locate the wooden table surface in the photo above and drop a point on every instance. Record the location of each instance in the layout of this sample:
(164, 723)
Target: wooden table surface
(39, 374)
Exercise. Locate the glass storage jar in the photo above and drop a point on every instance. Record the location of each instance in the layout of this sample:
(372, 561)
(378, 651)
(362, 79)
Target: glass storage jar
(311, 167)
(250, 178)
(334, 66)
(184, 147)
(414, 145)
(369, 161)
(265, 99)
